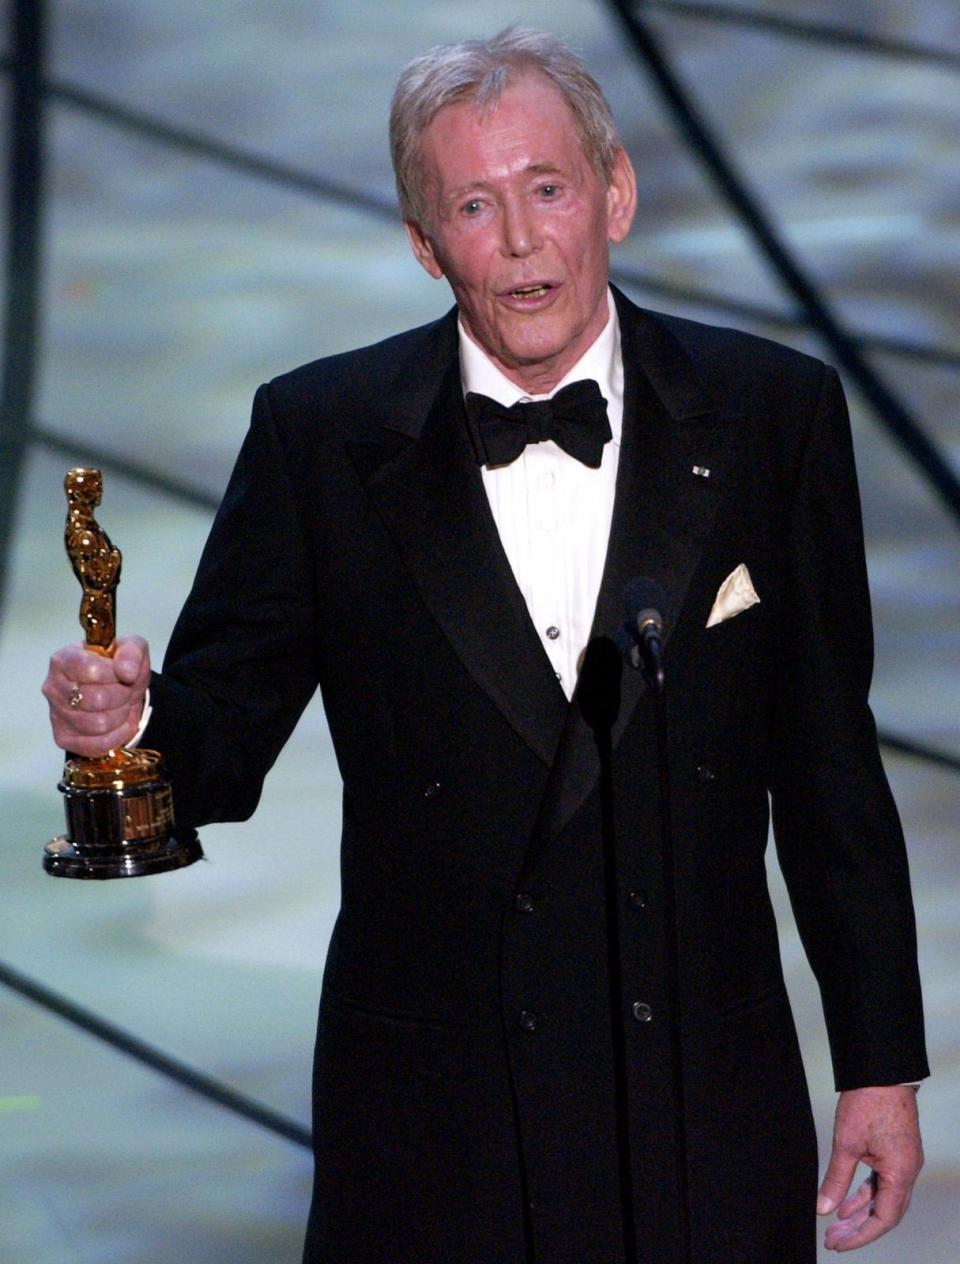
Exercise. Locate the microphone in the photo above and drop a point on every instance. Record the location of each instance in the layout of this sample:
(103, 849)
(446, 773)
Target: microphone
(642, 631)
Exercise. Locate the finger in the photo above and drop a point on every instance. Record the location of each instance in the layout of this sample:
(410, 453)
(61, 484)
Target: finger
(94, 723)
(90, 719)
(871, 1228)
(836, 1181)
(81, 697)
(94, 747)
(81, 712)
(92, 734)
(845, 1230)
(861, 1198)
(892, 1200)
(889, 1208)
(75, 665)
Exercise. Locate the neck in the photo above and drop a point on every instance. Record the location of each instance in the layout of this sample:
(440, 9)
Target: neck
(541, 377)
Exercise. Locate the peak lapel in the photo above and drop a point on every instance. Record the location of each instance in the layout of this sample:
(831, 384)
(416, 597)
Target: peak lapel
(662, 516)
(430, 497)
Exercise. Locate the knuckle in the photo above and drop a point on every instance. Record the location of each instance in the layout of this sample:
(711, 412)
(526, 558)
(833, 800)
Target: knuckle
(99, 698)
(59, 659)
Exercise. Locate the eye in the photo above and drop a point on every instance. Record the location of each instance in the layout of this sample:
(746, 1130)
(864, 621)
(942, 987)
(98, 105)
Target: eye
(472, 207)
(549, 190)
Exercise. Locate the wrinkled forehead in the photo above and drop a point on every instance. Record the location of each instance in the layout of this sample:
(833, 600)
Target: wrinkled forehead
(530, 115)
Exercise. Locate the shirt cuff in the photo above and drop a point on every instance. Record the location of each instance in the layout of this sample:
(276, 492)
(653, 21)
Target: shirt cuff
(145, 715)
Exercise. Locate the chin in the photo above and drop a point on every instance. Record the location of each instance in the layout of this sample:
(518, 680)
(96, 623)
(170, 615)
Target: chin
(533, 344)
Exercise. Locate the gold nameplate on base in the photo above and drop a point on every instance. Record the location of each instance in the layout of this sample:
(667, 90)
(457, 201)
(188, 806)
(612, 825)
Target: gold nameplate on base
(119, 806)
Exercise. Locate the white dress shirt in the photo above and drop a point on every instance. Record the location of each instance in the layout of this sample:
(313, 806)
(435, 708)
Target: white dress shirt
(553, 512)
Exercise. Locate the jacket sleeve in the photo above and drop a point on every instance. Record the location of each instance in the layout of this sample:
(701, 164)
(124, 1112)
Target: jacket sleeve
(240, 665)
(837, 832)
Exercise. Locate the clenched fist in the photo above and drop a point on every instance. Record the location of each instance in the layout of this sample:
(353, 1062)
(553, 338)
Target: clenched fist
(96, 702)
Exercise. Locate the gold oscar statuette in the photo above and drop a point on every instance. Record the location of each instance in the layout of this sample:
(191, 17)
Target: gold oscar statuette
(119, 806)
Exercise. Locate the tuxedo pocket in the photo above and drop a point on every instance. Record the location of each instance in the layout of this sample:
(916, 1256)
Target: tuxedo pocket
(413, 1019)
(737, 626)
(735, 595)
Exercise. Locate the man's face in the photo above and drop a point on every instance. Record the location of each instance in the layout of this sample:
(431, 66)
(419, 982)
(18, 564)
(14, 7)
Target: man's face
(519, 224)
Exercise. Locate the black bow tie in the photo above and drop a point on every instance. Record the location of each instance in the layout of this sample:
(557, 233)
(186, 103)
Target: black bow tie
(575, 419)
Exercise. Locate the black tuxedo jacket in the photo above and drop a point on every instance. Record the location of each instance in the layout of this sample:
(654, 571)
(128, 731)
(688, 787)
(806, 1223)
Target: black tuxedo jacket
(463, 1090)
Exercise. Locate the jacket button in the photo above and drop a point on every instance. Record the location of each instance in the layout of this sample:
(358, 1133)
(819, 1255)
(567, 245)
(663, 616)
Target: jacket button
(525, 903)
(638, 899)
(528, 1020)
(642, 1012)
(705, 774)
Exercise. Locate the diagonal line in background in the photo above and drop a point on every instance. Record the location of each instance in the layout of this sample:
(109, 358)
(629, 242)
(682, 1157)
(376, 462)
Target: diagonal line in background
(901, 745)
(763, 314)
(840, 37)
(184, 1075)
(252, 164)
(76, 450)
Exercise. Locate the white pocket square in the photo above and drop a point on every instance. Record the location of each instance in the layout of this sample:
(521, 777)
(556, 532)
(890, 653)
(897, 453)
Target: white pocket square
(734, 595)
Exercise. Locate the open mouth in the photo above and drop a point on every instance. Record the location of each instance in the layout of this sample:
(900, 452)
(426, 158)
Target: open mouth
(531, 291)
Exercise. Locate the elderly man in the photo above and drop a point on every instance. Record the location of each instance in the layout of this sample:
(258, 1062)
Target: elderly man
(437, 560)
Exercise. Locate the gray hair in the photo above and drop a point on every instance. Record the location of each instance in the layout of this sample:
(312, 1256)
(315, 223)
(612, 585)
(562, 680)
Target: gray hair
(480, 70)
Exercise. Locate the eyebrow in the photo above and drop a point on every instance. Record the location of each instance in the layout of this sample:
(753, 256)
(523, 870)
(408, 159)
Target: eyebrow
(480, 186)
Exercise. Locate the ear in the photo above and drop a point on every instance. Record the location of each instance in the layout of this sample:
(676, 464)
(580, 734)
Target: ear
(423, 248)
(621, 197)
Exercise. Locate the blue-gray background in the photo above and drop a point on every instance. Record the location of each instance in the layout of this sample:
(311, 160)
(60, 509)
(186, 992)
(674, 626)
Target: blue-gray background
(173, 285)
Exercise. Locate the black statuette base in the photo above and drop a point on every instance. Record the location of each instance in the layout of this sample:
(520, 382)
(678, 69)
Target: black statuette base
(119, 832)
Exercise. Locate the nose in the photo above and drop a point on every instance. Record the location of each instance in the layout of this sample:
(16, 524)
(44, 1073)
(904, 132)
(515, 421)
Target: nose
(521, 236)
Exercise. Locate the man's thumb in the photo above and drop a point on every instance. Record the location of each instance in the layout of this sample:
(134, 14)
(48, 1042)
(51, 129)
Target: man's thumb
(130, 658)
(836, 1183)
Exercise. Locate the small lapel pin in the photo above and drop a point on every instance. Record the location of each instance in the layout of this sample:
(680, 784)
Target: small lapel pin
(701, 471)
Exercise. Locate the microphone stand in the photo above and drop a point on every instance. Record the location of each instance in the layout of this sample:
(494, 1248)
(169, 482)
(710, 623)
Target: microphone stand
(654, 676)
(599, 698)
(615, 984)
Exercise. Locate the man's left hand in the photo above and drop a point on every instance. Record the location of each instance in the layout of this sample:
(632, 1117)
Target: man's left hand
(877, 1126)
